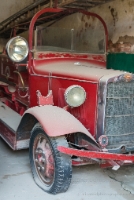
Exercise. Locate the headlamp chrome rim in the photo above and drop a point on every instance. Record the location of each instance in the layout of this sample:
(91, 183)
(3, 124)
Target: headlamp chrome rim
(8, 45)
(71, 88)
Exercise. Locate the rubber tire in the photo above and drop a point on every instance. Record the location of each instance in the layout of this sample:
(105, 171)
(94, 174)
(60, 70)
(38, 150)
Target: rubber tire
(63, 164)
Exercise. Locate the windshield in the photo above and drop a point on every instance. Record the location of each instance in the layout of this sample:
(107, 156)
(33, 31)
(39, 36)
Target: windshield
(78, 39)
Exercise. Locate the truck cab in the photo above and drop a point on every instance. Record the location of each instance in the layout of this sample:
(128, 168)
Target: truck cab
(58, 99)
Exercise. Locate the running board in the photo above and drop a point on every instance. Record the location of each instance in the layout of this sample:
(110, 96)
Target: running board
(9, 122)
(9, 117)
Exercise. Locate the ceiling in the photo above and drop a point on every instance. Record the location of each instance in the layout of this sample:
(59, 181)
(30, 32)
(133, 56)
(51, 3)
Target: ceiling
(80, 3)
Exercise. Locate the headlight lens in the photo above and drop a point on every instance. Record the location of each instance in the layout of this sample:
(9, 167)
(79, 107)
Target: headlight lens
(17, 49)
(75, 95)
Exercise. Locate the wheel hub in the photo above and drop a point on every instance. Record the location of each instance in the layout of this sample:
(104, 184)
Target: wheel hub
(44, 160)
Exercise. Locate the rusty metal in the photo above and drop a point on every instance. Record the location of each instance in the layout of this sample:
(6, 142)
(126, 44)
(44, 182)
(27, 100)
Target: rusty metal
(21, 79)
(83, 161)
(43, 159)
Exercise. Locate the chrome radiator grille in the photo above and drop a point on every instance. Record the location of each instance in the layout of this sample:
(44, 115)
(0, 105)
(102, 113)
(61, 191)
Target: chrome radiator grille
(119, 113)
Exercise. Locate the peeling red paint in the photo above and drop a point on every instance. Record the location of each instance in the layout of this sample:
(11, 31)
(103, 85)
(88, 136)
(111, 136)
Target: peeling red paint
(67, 55)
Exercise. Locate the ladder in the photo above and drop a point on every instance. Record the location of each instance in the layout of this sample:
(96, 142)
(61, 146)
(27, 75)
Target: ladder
(24, 16)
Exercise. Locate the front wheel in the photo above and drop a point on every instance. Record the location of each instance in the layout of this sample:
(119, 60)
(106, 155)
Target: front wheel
(52, 170)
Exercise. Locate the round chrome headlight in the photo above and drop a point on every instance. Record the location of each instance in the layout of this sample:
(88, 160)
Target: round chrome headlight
(75, 95)
(17, 49)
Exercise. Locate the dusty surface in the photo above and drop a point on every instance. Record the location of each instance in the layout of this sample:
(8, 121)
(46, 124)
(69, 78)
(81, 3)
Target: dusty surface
(125, 175)
(88, 182)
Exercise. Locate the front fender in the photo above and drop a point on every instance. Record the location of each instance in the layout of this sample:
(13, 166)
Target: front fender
(56, 121)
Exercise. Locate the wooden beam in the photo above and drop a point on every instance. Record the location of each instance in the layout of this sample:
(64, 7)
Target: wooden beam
(66, 2)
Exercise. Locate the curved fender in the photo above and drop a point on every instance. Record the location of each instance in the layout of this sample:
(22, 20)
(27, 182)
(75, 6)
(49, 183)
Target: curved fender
(56, 121)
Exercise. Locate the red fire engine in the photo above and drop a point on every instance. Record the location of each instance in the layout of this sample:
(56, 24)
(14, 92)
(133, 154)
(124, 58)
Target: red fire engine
(58, 99)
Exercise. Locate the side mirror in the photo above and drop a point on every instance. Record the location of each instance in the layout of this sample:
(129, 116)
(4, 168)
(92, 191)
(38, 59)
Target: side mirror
(17, 49)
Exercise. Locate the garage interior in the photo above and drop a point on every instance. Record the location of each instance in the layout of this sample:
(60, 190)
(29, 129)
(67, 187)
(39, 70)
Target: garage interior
(88, 182)
(112, 12)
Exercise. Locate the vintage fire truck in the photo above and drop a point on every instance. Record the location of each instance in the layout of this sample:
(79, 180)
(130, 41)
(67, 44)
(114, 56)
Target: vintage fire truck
(58, 99)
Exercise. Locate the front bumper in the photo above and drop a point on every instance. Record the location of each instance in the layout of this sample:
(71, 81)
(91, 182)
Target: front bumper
(127, 158)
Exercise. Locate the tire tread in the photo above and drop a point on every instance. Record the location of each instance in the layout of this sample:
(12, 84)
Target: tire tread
(63, 165)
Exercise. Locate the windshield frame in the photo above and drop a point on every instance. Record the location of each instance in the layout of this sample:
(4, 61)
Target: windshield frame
(48, 38)
(58, 11)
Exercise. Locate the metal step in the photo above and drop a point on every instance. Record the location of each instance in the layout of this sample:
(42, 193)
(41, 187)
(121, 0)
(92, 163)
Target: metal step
(9, 117)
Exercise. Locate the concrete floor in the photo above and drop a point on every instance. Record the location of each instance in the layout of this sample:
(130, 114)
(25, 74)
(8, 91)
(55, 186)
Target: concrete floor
(88, 182)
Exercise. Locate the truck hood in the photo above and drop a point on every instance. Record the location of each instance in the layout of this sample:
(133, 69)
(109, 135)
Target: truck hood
(80, 70)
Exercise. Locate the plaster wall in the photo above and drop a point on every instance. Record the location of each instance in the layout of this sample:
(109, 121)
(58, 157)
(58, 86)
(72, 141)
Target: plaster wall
(10, 7)
(119, 17)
